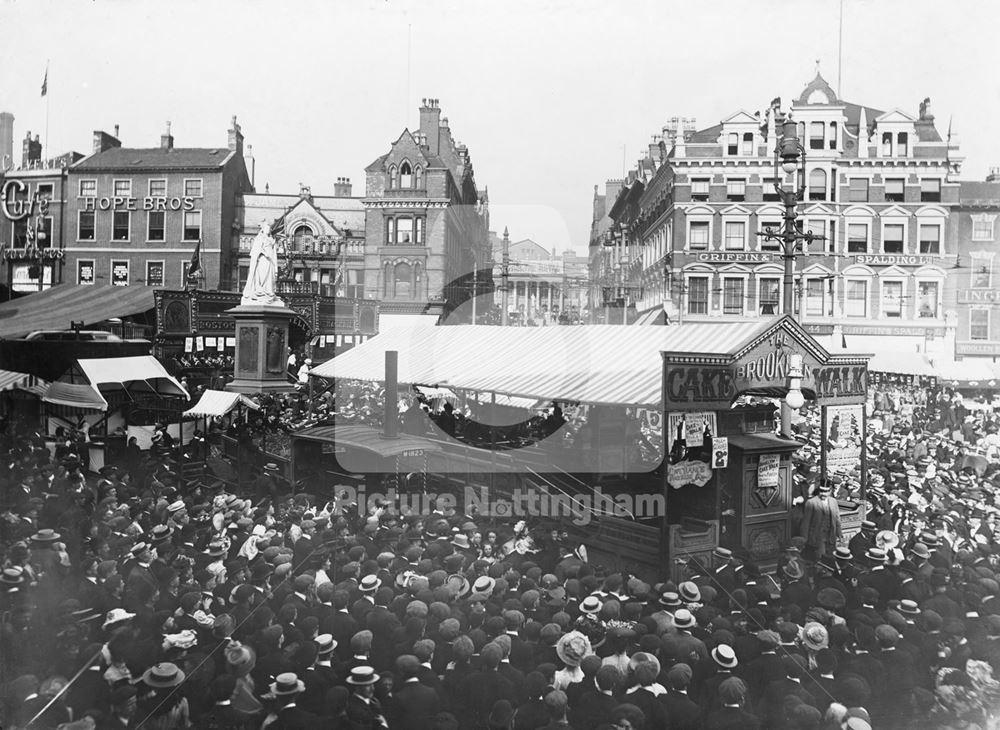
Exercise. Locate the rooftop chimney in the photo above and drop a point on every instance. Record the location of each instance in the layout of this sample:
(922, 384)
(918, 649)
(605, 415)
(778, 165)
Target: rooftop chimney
(250, 163)
(6, 141)
(167, 139)
(430, 118)
(31, 151)
(104, 141)
(342, 188)
(235, 137)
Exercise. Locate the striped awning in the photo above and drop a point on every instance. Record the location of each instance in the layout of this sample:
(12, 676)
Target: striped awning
(134, 375)
(609, 364)
(219, 403)
(55, 308)
(10, 380)
(901, 363)
(973, 373)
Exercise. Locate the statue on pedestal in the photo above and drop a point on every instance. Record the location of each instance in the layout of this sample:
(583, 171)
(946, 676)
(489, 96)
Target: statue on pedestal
(260, 286)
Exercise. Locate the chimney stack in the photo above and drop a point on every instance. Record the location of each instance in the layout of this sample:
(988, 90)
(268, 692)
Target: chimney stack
(167, 139)
(250, 164)
(236, 137)
(342, 188)
(430, 119)
(104, 141)
(6, 141)
(31, 151)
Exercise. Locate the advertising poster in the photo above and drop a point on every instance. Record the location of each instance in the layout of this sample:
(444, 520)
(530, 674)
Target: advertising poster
(767, 471)
(720, 452)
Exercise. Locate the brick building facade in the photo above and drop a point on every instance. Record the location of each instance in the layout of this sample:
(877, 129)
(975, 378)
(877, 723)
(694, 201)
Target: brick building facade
(426, 222)
(138, 215)
(687, 225)
(975, 281)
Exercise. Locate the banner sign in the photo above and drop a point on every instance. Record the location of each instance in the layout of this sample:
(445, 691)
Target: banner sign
(767, 471)
(691, 422)
(842, 439)
(688, 472)
(720, 452)
(714, 387)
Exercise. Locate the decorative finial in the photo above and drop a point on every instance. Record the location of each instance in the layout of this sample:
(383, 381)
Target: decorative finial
(817, 67)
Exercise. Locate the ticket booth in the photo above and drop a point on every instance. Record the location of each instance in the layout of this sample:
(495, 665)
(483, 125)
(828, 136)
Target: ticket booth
(728, 478)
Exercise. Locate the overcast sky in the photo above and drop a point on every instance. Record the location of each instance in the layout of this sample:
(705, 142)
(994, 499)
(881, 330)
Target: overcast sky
(545, 94)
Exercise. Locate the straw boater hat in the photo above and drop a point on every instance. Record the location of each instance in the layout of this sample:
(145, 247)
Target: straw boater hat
(591, 605)
(724, 656)
(361, 676)
(162, 675)
(287, 683)
(46, 535)
(369, 584)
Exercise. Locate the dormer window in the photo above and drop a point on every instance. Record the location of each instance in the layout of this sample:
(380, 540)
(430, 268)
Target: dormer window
(748, 144)
(833, 135)
(902, 141)
(733, 147)
(405, 175)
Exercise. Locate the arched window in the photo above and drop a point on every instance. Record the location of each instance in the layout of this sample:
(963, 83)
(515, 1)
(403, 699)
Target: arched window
(817, 184)
(405, 175)
(393, 180)
(402, 276)
(418, 174)
(301, 238)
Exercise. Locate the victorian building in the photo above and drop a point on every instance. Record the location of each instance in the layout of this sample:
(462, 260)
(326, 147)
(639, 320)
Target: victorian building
(426, 223)
(324, 242)
(687, 227)
(32, 221)
(144, 215)
(975, 287)
(542, 287)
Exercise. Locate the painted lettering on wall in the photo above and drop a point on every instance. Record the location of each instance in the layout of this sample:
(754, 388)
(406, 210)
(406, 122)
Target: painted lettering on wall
(150, 202)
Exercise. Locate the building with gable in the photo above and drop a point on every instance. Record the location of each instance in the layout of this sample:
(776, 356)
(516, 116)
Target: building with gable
(326, 238)
(543, 287)
(686, 227)
(426, 223)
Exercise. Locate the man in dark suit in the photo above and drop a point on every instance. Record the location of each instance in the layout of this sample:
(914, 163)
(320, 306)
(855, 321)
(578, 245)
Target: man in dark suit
(364, 712)
(821, 523)
(286, 689)
(320, 676)
(772, 705)
(481, 689)
(594, 707)
(413, 704)
(880, 578)
(340, 624)
(732, 716)
(222, 715)
(682, 711)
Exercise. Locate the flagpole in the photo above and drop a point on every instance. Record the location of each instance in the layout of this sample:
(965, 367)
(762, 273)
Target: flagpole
(47, 141)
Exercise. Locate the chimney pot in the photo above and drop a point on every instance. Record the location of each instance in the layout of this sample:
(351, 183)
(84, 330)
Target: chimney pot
(116, 130)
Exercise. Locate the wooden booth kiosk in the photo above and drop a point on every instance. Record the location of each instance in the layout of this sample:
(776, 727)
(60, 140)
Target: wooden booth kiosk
(727, 478)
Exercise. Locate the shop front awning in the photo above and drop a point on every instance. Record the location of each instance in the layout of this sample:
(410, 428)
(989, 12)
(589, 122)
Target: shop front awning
(55, 308)
(10, 380)
(87, 381)
(601, 364)
(652, 317)
(973, 373)
(902, 363)
(214, 403)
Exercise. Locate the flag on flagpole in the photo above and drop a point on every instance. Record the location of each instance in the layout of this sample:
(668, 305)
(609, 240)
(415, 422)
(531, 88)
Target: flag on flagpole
(194, 268)
(45, 81)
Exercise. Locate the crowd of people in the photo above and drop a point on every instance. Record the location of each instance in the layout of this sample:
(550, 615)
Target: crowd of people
(128, 602)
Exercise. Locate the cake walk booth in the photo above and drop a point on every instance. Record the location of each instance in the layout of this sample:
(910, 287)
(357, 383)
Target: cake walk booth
(728, 479)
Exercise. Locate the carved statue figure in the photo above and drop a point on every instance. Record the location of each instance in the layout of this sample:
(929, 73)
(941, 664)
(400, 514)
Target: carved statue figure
(260, 286)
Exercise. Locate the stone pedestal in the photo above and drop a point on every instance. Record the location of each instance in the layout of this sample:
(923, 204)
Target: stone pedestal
(261, 349)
